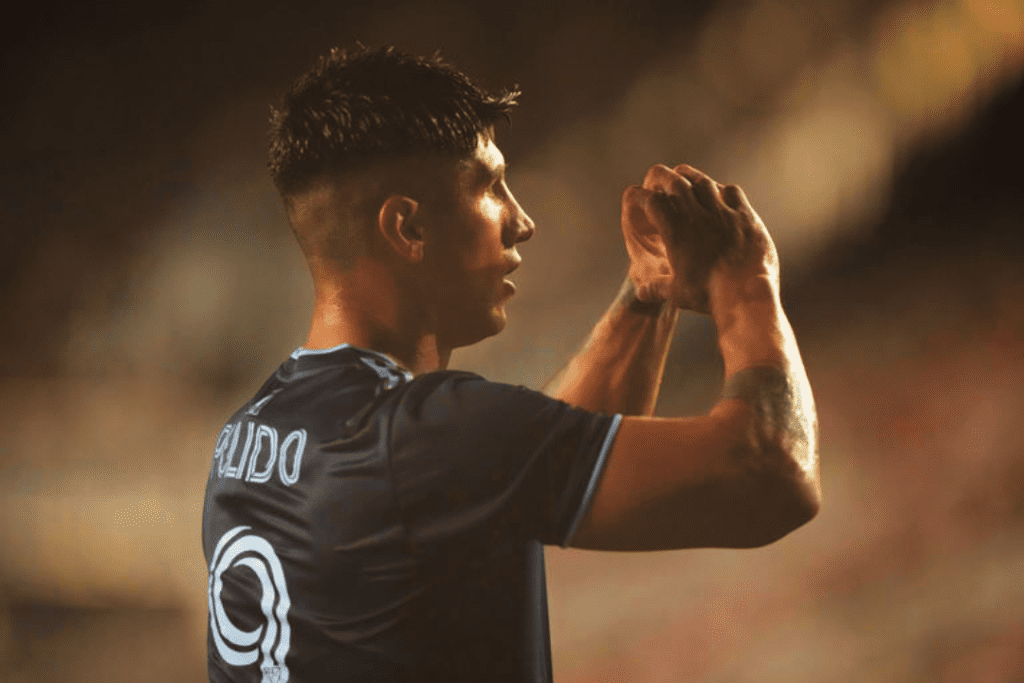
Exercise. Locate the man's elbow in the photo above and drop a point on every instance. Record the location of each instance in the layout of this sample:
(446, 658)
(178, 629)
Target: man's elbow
(785, 502)
(788, 510)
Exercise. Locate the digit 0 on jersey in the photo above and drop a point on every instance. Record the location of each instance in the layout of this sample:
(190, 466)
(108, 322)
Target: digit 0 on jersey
(271, 639)
(361, 524)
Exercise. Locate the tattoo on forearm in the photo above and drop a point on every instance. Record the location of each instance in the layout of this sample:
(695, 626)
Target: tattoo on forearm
(781, 416)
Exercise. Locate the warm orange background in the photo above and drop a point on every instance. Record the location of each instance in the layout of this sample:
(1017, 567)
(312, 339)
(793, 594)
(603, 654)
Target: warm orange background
(151, 285)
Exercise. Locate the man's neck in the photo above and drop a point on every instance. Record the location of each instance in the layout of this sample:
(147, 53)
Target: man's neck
(334, 324)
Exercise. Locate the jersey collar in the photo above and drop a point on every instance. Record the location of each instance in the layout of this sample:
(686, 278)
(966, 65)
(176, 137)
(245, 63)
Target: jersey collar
(303, 351)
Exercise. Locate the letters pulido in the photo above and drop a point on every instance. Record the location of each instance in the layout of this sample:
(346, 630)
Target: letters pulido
(262, 450)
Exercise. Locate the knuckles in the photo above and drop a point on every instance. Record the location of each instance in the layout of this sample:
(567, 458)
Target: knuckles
(632, 194)
(703, 223)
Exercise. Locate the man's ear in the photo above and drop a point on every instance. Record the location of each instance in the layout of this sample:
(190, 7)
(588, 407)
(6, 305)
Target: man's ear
(396, 220)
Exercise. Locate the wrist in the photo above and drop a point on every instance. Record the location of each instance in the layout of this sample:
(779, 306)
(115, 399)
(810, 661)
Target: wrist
(629, 300)
(751, 332)
(755, 291)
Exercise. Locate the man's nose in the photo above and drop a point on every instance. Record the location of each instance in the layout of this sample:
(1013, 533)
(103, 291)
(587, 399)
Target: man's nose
(524, 228)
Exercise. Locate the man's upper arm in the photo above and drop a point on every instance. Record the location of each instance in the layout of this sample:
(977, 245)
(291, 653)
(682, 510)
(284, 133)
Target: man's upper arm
(672, 483)
(473, 458)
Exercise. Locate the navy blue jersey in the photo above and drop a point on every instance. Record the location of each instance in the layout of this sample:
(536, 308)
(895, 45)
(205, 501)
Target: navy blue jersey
(362, 524)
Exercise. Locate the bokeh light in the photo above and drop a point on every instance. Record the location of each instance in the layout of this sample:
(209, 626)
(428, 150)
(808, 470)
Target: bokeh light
(813, 106)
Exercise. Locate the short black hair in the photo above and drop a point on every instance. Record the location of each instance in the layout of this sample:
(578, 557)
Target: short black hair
(361, 105)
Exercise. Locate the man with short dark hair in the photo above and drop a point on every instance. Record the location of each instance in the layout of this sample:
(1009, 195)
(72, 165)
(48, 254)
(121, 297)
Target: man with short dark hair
(371, 515)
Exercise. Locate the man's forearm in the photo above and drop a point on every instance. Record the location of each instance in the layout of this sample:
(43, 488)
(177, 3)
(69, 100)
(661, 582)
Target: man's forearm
(764, 370)
(620, 366)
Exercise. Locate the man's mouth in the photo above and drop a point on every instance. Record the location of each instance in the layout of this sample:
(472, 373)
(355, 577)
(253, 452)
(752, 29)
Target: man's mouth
(509, 285)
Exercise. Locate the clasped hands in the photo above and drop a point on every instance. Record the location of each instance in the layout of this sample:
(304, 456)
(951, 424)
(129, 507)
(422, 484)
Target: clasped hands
(688, 236)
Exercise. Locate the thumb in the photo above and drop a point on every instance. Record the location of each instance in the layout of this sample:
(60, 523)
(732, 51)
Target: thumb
(636, 212)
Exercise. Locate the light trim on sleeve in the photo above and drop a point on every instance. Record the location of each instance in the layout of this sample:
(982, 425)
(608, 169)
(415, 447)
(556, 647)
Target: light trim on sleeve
(594, 477)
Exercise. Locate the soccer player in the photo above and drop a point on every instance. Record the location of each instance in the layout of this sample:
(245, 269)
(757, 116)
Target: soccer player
(371, 515)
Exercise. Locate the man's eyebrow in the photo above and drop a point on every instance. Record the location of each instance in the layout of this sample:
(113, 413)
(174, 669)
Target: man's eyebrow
(486, 174)
(496, 172)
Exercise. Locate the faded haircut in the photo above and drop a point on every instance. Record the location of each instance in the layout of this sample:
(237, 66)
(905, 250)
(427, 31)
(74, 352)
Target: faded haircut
(361, 106)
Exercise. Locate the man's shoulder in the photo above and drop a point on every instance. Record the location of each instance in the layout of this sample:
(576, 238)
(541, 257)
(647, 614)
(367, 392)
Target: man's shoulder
(468, 389)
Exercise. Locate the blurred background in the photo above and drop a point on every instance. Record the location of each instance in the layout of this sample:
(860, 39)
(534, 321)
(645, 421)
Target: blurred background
(148, 285)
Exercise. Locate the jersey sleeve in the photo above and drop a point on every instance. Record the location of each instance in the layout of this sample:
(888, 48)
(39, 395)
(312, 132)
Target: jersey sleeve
(474, 457)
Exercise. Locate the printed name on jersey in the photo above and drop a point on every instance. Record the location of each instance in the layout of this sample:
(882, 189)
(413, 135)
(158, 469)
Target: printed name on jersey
(262, 454)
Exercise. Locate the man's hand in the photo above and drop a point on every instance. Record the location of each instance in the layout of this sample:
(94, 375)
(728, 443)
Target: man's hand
(689, 237)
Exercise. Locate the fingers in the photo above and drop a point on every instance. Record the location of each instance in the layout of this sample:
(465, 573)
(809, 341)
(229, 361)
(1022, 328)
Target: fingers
(705, 189)
(734, 197)
(661, 178)
(654, 219)
(685, 196)
(692, 186)
(638, 214)
(648, 210)
(693, 173)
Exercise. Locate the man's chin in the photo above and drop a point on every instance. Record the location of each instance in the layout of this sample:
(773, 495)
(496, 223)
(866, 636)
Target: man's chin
(496, 322)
